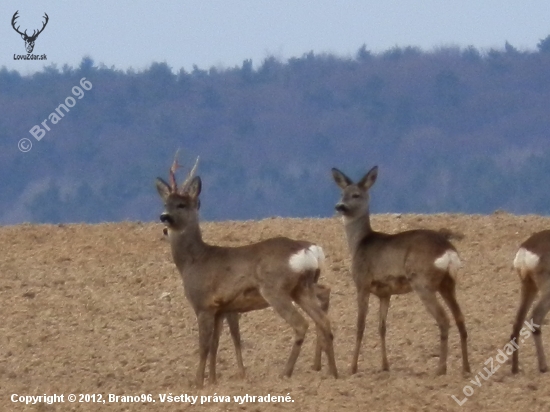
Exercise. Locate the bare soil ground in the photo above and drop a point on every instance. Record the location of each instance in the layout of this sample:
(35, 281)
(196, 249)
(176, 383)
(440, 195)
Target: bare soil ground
(100, 309)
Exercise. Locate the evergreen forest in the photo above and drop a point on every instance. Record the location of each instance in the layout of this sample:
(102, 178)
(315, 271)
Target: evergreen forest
(451, 129)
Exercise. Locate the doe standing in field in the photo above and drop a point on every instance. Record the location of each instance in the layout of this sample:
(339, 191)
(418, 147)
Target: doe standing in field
(385, 265)
(532, 263)
(225, 281)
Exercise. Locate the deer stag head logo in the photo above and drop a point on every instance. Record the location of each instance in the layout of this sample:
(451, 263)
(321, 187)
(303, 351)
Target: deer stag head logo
(29, 40)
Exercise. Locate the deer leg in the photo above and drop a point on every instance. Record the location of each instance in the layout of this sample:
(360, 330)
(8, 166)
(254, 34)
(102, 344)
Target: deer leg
(206, 331)
(362, 309)
(539, 312)
(384, 306)
(218, 322)
(528, 293)
(429, 299)
(448, 293)
(281, 302)
(308, 302)
(233, 322)
(323, 296)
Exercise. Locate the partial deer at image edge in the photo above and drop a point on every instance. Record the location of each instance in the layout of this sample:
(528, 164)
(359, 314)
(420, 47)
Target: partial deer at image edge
(532, 263)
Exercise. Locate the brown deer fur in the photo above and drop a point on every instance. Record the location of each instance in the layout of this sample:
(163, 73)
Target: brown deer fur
(386, 265)
(532, 263)
(224, 281)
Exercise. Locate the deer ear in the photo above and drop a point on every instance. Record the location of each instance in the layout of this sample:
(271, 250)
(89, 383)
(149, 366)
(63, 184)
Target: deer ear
(194, 188)
(368, 180)
(340, 178)
(162, 188)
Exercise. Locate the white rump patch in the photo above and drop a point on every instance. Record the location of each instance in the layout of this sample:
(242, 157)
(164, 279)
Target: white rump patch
(448, 261)
(307, 259)
(525, 260)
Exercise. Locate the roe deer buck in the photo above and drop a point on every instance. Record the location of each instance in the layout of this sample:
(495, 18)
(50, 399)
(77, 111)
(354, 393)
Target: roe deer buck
(233, 317)
(385, 264)
(323, 294)
(532, 263)
(225, 281)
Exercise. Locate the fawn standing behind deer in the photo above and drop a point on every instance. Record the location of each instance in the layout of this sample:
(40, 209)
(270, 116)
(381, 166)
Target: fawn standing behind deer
(224, 281)
(385, 264)
(532, 263)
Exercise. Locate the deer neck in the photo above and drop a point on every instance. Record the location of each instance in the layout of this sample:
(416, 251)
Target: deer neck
(356, 230)
(187, 245)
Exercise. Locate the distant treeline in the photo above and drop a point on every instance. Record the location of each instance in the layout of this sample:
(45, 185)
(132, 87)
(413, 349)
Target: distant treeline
(456, 130)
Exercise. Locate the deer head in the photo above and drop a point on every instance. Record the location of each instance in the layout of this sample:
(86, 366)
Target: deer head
(355, 196)
(181, 205)
(29, 40)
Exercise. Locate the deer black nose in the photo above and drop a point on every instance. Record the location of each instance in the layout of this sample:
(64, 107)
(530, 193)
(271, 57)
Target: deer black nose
(166, 218)
(340, 207)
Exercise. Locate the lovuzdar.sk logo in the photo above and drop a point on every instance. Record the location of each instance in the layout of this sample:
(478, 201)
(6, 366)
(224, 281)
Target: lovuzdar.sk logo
(29, 40)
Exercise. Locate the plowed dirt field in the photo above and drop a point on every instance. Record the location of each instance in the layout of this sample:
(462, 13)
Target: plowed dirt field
(100, 309)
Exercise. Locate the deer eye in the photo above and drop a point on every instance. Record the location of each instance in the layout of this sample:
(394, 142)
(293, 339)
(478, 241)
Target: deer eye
(181, 206)
(355, 196)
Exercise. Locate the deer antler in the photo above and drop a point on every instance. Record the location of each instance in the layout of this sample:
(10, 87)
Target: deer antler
(173, 168)
(43, 27)
(15, 16)
(190, 175)
(34, 33)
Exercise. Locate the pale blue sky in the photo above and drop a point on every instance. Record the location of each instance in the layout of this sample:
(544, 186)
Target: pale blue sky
(224, 33)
